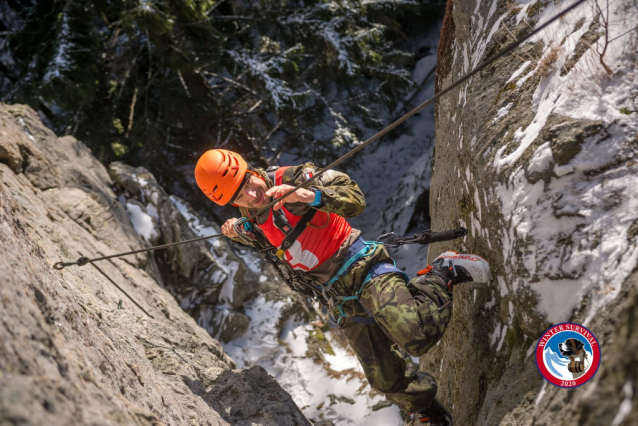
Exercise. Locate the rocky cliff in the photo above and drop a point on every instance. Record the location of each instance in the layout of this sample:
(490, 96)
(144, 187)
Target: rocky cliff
(74, 349)
(536, 156)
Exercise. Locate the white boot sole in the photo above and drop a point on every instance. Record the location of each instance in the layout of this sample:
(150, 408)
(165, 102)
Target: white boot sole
(478, 267)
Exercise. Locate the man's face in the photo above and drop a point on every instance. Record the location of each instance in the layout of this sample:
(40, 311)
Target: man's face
(253, 194)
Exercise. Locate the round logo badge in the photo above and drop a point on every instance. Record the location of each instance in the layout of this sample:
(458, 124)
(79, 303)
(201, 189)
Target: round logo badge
(568, 355)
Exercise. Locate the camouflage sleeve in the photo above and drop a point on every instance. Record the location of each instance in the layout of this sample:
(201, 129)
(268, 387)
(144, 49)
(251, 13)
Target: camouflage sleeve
(339, 193)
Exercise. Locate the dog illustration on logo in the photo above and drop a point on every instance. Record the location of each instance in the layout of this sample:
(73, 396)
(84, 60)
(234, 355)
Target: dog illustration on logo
(574, 349)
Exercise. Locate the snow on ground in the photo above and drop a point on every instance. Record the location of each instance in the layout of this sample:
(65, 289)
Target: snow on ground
(578, 227)
(334, 390)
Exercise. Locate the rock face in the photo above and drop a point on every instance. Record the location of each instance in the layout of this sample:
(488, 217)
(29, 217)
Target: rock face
(198, 276)
(536, 156)
(68, 353)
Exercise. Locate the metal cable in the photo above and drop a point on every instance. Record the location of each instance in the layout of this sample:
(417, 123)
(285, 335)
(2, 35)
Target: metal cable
(83, 260)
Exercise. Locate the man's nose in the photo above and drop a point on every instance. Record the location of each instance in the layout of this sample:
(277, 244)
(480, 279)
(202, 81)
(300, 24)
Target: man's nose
(252, 193)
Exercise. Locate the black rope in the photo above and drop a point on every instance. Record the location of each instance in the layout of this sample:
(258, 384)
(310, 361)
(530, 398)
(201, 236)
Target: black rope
(122, 290)
(83, 260)
(424, 238)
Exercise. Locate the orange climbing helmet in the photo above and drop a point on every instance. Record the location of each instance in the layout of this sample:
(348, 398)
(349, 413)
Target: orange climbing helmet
(219, 174)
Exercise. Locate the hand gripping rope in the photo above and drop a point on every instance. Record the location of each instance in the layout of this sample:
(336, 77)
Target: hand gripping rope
(398, 241)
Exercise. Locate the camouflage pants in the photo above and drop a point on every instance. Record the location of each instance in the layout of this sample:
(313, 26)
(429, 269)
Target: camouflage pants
(411, 315)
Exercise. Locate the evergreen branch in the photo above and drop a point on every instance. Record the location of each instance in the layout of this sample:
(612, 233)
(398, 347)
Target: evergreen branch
(232, 82)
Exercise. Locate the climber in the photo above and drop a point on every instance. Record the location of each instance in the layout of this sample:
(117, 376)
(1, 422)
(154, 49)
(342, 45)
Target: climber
(376, 306)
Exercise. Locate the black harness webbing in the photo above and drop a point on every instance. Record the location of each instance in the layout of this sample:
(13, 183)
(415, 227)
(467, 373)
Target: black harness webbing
(281, 221)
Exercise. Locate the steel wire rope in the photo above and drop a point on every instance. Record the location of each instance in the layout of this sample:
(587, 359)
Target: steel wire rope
(83, 260)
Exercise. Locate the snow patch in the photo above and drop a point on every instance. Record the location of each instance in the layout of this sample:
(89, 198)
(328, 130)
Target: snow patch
(519, 71)
(345, 397)
(26, 130)
(142, 222)
(531, 349)
(494, 336)
(502, 113)
(542, 159)
(541, 393)
(500, 343)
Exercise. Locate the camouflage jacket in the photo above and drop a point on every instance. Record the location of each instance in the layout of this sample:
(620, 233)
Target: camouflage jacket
(339, 194)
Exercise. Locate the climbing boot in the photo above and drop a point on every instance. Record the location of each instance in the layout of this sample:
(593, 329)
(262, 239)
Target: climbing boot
(455, 268)
(436, 415)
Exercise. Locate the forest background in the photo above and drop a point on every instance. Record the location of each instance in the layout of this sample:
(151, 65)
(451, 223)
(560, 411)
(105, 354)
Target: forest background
(155, 83)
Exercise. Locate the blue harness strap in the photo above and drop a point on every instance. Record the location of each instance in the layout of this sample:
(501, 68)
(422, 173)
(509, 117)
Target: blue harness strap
(357, 250)
(385, 268)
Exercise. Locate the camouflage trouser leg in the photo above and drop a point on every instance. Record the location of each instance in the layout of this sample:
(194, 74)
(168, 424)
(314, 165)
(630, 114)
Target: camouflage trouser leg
(413, 316)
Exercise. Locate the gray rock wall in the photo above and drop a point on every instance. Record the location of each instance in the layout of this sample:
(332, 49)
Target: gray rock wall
(68, 354)
(536, 157)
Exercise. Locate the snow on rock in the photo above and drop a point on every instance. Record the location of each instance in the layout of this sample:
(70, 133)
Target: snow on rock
(576, 204)
(502, 112)
(142, 222)
(550, 197)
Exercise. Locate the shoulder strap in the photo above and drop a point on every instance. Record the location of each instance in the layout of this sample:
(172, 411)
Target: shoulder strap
(270, 172)
(275, 174)
(296, 232)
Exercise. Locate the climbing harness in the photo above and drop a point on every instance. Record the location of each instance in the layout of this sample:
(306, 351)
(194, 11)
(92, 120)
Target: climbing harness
(360, 249)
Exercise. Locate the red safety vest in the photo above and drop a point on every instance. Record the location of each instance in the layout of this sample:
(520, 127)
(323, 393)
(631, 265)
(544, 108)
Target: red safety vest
(316, 244)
